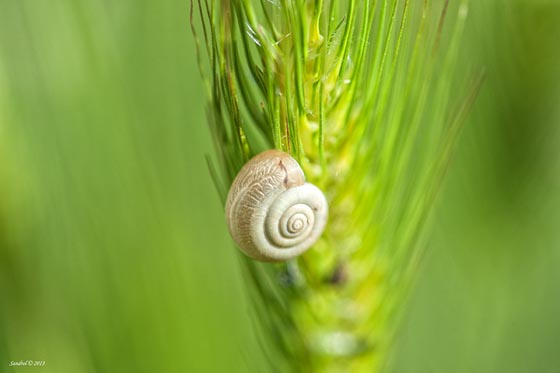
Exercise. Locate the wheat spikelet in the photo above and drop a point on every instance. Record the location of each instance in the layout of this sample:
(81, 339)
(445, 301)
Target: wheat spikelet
(362, 94)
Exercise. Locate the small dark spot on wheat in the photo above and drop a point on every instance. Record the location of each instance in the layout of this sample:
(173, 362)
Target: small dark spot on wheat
(339, 275)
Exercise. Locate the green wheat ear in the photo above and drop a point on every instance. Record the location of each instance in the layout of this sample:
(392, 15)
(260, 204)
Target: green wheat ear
(362, 95)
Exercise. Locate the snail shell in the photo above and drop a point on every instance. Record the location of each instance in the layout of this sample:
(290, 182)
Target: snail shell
(272, 213)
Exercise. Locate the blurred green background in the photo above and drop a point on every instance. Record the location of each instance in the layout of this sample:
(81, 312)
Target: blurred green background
(114, 255)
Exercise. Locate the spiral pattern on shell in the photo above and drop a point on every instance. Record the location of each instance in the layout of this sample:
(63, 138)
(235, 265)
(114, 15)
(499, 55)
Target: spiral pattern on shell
(272, 213)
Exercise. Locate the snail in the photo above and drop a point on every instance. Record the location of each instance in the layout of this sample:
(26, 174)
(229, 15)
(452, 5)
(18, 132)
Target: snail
(272, 213)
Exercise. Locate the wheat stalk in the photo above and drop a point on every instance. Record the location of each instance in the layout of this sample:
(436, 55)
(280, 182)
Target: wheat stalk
(361, 93)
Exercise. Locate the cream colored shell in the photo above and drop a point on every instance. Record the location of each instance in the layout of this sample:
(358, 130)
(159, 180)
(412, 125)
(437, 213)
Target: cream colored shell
(272, 213)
